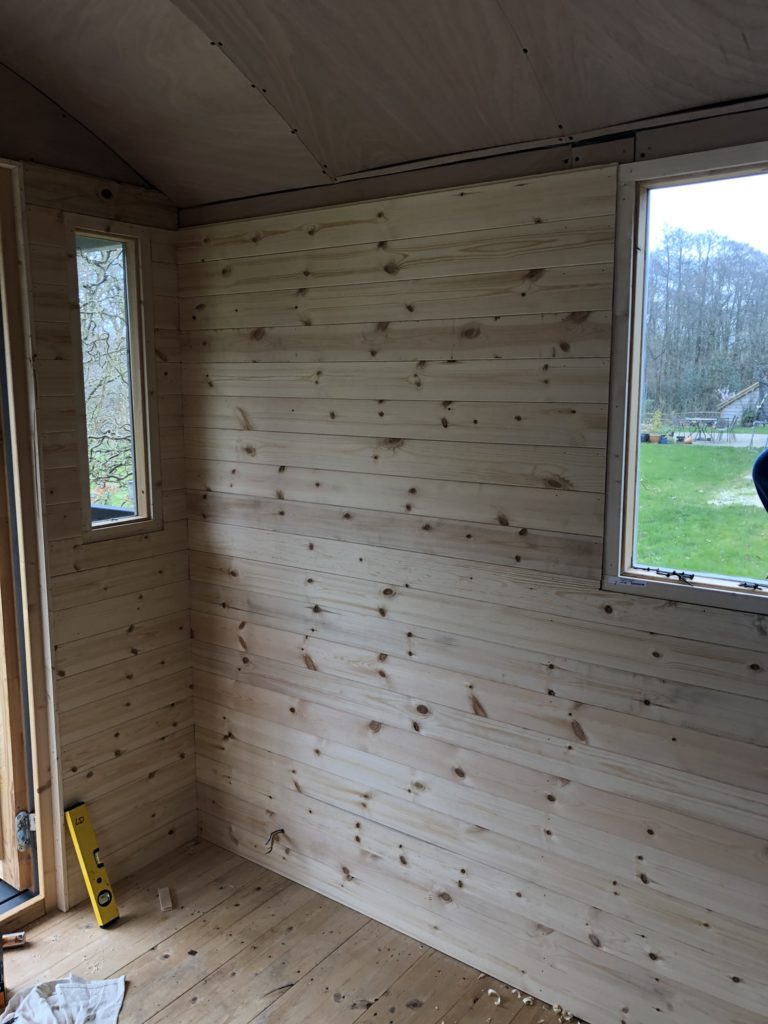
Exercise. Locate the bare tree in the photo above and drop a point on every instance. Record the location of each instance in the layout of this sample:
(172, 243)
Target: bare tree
(104, 323)
(706, 321)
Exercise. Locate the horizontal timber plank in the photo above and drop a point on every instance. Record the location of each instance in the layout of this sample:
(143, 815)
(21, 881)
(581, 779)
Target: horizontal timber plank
(113, 811)
(55, 378)
(102, 746)
(559, 290)
(396, 626)
(81, 193)
(100, 616)
(133, 765)
(582, 684)
(494, 543)
(120, 708)
(507, 423)
(250, 552)
(167, 346)
(74, 656)
(572, 468)
(45, 225)
(102, 582)
(549, 508)
(165, 314)
(168, 379)
(728, 800)
(582, 334)
(522, 201)
(55, 414)
(52, 342)
(50, 304)
(64, 522)
(59, 449)
(482, 251)
(163, 278)
(533, 733)
(120, 677)
(526, 380)
(75, 554)
(48, 262)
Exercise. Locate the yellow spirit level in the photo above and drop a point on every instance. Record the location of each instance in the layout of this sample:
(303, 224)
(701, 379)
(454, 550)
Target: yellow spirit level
(92, 866)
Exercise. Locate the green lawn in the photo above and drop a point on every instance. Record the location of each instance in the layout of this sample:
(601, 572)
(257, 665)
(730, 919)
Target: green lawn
(693, 511)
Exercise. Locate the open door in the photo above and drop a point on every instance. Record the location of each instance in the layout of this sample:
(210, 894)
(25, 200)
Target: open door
(16, 867)
(16, 859)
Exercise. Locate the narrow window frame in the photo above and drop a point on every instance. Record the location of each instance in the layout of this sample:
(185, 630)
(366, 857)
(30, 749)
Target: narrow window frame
(635, 180)
(137, 240)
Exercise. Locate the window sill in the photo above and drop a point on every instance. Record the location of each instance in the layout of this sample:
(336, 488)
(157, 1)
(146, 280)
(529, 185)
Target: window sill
(714, 593)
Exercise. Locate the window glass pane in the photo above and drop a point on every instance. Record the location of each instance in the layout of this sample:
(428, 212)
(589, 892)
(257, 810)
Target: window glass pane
(704, 391)
(102, 268)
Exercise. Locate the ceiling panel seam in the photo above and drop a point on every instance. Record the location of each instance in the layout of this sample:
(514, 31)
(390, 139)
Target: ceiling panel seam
(322, 168)
(755, 105)
(524, 49)
(688, 115)
(83, 125)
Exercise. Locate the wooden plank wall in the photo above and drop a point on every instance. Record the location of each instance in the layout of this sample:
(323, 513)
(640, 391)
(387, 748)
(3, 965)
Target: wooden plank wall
(395, 423)
(119, 608)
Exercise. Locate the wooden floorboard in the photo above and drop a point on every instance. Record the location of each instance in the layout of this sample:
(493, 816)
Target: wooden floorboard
(244, 945)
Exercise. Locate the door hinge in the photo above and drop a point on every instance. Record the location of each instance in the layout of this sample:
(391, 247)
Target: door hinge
(25, 826)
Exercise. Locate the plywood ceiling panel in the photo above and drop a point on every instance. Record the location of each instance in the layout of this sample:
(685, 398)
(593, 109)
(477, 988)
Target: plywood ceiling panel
(147, 81)
(608, 62)
(33, 127)
(371, 84)
(214, 100)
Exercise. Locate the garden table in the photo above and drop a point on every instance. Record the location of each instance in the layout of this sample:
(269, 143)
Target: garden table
(703, 427)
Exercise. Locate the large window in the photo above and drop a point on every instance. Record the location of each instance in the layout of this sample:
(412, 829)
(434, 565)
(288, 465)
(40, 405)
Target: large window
(114, 378)
(690, 391)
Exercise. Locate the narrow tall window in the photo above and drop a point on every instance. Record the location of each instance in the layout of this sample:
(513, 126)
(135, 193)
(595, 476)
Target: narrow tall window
(695, 387)
(113, 378)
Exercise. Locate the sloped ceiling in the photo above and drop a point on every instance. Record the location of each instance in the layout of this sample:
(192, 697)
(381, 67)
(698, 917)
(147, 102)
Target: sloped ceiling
(210, 100)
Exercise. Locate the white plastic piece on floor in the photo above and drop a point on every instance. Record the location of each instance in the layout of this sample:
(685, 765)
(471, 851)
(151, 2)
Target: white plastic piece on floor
(166, 900)
(70, 1000)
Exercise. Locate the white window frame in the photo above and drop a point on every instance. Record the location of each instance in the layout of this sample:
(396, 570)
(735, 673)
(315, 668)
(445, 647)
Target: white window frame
(143, 388)
(634, 182)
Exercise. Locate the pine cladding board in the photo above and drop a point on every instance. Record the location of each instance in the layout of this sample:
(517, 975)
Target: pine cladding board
(395, 419)
(119, 608)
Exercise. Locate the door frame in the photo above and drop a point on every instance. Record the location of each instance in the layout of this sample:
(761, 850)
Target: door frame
(34, 634)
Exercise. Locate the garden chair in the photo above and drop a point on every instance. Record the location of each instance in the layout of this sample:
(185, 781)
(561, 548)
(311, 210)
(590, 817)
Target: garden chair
(724, 430)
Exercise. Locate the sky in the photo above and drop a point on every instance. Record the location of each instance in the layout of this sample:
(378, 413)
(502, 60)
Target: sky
(734, 207)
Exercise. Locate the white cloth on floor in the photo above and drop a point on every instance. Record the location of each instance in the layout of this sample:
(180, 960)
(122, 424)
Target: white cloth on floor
(71, 1000)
